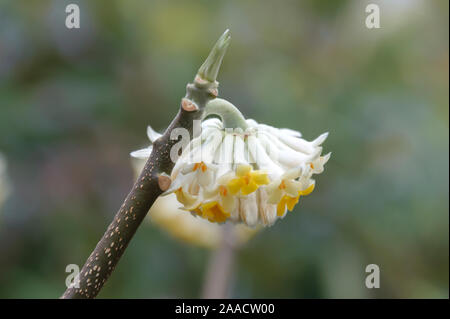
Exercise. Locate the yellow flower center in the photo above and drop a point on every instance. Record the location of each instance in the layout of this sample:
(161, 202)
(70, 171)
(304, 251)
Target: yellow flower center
(247, 180)
(223, 190)
(212, 211)
(290, 201)
(201, 166)
(307, 191)
(180, 196)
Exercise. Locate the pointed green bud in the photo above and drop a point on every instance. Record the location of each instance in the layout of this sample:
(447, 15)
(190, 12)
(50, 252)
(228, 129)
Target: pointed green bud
(210, 68)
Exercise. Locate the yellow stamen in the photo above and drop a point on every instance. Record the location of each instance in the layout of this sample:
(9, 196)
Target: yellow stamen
(288, 201)
(223, 190)
(235, 185)
(281, 207)
(247, 181)
(291, 202)
(180, 196)
(307, 191)
(249, 187)
(200, 165)
(214, 212)
(243, 170)
(260, 177)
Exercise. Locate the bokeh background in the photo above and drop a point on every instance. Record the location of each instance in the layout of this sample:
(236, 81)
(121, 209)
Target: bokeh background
(74, 103)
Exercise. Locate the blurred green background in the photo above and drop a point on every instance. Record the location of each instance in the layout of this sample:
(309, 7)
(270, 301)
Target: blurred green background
(74, 103)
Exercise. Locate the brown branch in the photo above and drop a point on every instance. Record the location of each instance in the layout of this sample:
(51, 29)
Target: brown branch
(151, 182)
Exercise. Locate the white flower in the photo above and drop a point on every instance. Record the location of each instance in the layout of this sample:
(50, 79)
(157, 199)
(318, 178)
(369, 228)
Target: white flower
(250, 176)
(166, 213)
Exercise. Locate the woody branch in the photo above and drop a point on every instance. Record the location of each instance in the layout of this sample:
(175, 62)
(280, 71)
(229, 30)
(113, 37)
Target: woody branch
(152, 181)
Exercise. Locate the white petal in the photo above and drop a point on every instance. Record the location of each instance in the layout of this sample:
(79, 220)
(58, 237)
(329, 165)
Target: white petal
(292, 188)
(225, 178)
(234, 215)
(267, 213)
(319, 163)
(305, 183)
(271, 214)
(207, 131)
(326, 158)
(212, 122)
(179, 165)
(318, 141)
(178, 182)
(143, 153)
(193, 151)
(270, 148)
(205, 178)
(152, 134)
(239, 151)
(274, 196)
(293, 173)
(291, 158)
(251, 122)
(263, 161)
(249, 209)
(288, 131)
(224, 157)
(210, 147)
(187, 168)
(297, 143)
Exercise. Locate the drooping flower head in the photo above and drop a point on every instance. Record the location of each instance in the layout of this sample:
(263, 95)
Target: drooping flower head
(252, 173)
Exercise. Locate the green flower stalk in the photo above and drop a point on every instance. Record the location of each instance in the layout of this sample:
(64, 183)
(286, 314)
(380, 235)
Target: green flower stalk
(229, 114)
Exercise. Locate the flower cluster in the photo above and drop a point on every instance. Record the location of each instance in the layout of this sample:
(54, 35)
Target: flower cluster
(252, 176)
(166, 213)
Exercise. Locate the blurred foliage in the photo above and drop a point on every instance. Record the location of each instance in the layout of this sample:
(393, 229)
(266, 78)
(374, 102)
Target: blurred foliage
(74, 103)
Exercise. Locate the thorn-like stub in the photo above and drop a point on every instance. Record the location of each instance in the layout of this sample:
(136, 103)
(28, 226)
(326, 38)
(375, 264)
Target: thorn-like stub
(213, 91)
(188, 105)
(200, 81)
(164, 182)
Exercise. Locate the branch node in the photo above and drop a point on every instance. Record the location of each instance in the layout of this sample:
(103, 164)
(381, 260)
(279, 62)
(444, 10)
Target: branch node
(213, 92)
(164, 182)
(188, 105)
(200, 81)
